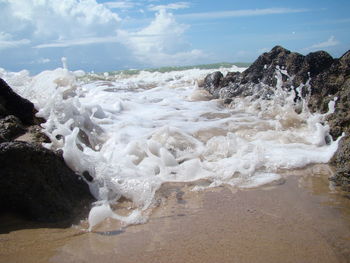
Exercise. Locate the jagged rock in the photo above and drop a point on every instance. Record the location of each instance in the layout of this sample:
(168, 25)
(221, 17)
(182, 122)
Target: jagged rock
(259, 79)
(10, 127)
(329, 79)
(334, 82)
(37, 183)
(34, 181)
(212, 83)
(341, 161)
(13, 104)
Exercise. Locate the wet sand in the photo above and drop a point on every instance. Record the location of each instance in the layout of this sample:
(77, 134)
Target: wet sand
(297, 219)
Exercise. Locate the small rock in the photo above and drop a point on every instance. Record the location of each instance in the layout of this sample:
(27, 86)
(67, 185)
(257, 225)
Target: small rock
(10, 127)
(212, 83)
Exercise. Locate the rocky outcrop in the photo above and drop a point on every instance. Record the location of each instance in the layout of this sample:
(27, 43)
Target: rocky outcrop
(342, 164)
(13, 104)
(327, 79)
(34, 181)
(37, 183)
(335, 83)
(260, 78)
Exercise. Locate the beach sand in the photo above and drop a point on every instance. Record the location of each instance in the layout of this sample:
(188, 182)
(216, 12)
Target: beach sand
(296, 219)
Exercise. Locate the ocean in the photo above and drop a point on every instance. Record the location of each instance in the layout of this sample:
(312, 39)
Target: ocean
(134, 130)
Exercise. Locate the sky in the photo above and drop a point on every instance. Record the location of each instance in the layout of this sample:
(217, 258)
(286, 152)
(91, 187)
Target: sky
(106, 35)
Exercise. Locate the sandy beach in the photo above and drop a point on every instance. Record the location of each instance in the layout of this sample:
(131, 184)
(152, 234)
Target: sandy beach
(297, 219)
(174, 131)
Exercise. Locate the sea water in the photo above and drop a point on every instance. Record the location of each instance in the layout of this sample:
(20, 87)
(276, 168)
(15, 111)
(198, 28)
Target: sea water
(132, 131)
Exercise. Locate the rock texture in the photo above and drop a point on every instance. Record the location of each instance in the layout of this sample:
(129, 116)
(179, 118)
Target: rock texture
(10, 128)
(326, 77)
(13, 104)
(34, 181)
(259, 79)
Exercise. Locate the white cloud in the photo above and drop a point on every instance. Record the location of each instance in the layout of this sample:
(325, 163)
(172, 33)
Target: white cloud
(172, 6)
(85, 12)
(161, 42)
(58, 19)
(79, 42)
(41, 61)
(241, 13)
(57, 24)
(120, 5)
(331, 42)
(6, 41)
(263, 50)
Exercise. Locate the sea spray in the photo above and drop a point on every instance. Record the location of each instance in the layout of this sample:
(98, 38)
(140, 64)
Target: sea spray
(132, 133)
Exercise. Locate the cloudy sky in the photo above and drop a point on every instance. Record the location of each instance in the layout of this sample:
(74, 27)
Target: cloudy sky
(104, 35)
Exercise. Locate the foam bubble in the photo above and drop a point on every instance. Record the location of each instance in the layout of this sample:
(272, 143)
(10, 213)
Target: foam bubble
(132, 133)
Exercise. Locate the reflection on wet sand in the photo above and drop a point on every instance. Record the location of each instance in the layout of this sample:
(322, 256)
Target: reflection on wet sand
(302, 218)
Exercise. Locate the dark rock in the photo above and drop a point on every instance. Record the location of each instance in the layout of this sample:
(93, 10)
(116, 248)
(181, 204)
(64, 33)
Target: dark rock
(341, 161)
(318, 62)
(87, 176)
(263, 69)
(227, 101)
(13, 104)
(260, 78)
(328, 78)
(34, 181)
(212, 83)
(10, 127)
(37, 183)
(334, 82)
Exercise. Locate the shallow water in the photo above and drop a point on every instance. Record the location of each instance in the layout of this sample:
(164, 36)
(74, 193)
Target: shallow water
(300, 218)
(134, 133)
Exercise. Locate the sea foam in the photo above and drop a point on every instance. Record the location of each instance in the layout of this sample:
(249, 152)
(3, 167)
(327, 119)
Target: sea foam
(132, 133)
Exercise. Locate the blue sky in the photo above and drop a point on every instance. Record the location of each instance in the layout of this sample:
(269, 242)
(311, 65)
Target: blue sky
(104, 35)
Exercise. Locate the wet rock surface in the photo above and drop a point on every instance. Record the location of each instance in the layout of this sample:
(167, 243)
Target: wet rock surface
(13, 104)
(259, 79)
(325, 77)
(37, 183)
(342, 163)
(10, 128)
(34, 181)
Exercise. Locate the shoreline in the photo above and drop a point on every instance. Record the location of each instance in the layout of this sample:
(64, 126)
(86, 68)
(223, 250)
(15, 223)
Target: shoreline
(298, 219)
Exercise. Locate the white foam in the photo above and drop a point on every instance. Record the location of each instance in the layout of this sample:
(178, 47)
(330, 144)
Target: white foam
(64, 62)
(134, 132)
(331, 105)
(101, 212)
